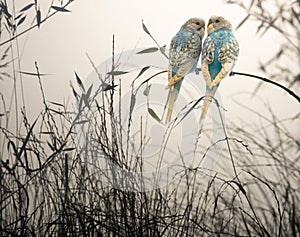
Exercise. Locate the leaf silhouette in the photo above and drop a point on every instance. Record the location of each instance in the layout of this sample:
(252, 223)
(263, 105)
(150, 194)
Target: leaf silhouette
(144, 69)
(116, 73)
(79, 82)
(149, 50)
(154, 115)
(33, 74)
(38, 18)
(21, 20)
(132, 104)
(60, 9)
(145, 28)
(86, 97)
(88, 93)
(27, 7)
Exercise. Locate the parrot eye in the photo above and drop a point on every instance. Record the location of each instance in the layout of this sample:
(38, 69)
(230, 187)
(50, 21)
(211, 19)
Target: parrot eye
(198, 23)
(217, 21)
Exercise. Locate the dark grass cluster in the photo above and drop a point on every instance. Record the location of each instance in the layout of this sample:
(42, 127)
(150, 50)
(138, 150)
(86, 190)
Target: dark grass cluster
(47, 190)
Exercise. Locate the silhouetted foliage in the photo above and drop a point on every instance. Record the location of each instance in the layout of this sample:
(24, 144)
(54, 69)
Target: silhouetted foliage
(47, 190)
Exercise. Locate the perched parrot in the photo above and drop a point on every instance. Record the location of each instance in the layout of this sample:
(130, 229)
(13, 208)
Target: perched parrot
(219, 54)
(185, 50)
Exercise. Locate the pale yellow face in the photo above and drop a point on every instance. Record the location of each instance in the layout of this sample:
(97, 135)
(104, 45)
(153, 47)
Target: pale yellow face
(196, 24)
(216, 23)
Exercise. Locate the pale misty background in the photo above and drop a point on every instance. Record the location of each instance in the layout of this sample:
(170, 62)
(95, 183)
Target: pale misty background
(46, 185)
(61, 44)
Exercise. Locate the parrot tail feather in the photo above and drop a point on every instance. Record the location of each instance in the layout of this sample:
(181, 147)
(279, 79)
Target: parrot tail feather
(173, 93)
(207, 101)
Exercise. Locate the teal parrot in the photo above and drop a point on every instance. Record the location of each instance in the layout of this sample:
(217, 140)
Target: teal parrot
(219, 54)
(185, 50)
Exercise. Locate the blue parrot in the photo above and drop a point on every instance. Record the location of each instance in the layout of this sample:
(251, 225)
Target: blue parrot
(219, 54)
(185, 50)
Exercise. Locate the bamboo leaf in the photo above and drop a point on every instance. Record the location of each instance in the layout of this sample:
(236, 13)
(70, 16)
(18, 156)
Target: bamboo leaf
(88, 93)
(144, 69)
(154, 115)
(60, 9)
(132, 104)
(21, 20)
(145, 28)
(79, 82)
(18, 16)
(149, 50)
(9, 23)
(33, 74)
(27, 7)
(116, 73)
(38, 18)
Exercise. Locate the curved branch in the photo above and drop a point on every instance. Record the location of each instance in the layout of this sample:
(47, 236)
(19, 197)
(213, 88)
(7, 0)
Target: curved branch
(268, 81)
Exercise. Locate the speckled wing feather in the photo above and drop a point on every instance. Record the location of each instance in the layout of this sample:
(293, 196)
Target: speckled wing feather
(184, 54)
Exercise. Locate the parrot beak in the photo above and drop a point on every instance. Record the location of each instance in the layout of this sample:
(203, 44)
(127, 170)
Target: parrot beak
(209, 22)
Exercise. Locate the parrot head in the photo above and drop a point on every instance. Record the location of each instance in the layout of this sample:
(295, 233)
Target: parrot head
(216, 23)
(195, 24)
